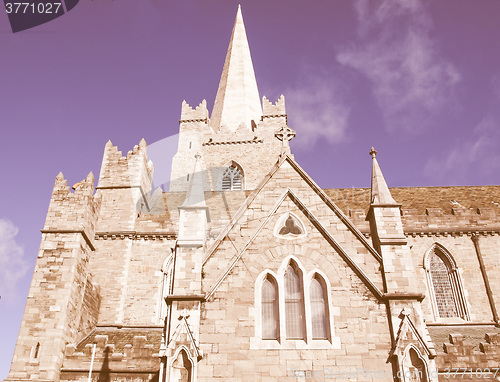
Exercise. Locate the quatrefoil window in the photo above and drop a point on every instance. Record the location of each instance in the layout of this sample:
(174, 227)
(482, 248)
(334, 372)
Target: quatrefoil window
(289, 227)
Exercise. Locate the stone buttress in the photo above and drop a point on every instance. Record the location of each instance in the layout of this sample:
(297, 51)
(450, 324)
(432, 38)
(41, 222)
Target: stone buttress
(181, 353)
(403, 294)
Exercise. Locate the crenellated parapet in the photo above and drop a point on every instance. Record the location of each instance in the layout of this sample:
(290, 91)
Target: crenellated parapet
(460, 353)
(130, 171)
(276, 109)
(73, 211)
(451, 222)
(198, 114)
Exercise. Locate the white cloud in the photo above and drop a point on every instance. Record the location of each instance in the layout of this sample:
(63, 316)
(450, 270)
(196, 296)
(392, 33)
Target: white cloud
(316, 112)
(411, 82)
(477, 154)
(12, 264)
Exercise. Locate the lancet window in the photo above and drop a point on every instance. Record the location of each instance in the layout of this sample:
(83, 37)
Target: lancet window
(270, 309)
(295, 302)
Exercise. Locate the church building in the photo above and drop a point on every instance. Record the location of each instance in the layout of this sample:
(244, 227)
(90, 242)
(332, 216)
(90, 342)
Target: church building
(247, 270)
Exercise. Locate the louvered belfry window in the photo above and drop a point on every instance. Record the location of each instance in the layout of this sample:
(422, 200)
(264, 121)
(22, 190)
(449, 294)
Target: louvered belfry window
(318, 310)
(232, 179)
(294, 304)
(270, 320)
(443, 287)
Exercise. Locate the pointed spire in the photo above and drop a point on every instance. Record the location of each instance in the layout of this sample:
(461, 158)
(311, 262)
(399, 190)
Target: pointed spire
(195, 196)
(380, 193)
(237, 101)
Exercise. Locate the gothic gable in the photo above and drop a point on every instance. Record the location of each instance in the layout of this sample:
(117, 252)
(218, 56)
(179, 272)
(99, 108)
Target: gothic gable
(288, 191)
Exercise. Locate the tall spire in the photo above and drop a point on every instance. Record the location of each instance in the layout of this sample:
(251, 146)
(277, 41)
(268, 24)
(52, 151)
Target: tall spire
(237, 101)
(380, 193)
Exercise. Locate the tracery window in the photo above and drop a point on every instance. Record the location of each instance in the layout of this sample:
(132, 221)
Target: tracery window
(443, 291)
(445, 284)
(289, 227)
(232, 178)
(270, 309)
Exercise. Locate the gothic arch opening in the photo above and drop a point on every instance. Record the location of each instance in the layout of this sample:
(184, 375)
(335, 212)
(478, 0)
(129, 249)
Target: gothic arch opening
(444, 284)
(294, 302)
(182, 368)
(414, 366)
(232, 177)
(319, 308)
(270, 308)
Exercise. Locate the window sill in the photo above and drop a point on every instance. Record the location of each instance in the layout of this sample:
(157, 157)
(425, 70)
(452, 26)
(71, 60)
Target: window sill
(258, 343)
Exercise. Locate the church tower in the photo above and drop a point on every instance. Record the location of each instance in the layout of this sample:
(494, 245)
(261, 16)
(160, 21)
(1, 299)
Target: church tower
(237, 142)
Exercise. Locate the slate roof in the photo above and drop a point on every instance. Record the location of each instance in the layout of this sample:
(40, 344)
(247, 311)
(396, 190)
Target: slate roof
(421, 198)
(223, 205)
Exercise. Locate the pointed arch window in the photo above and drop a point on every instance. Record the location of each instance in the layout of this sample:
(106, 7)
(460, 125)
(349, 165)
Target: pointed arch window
(232, 178)
(293, 309)
(270, 309)
(445, 284)
(319, 308)
(294, 303)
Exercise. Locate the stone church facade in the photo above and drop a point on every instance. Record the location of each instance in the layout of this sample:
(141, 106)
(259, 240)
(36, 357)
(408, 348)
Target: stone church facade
(246, 270)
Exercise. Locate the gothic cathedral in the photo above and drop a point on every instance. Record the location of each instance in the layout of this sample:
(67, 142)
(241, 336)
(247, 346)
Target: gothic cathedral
(247, 270)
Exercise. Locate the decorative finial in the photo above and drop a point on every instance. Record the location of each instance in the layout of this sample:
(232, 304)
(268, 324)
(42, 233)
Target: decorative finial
(373, 152)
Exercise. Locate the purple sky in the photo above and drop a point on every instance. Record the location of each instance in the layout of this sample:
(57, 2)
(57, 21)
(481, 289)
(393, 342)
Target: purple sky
(419, 80)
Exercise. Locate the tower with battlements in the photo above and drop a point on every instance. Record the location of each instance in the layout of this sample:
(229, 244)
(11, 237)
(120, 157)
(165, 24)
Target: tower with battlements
(247, 270)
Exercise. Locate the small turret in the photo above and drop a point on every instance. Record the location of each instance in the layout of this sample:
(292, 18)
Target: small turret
(276, 109)
(198, 114)
(124, 181)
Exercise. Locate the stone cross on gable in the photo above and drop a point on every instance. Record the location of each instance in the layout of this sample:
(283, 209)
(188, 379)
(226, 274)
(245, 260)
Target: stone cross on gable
(285, 135)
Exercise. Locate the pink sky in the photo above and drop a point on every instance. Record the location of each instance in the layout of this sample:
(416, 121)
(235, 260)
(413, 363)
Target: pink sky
(419, 80)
